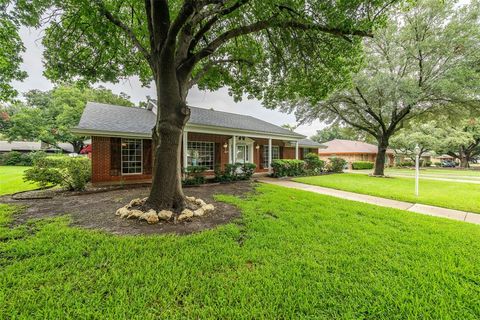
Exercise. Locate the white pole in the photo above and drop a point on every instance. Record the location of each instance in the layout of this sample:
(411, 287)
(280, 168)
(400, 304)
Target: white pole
(234, 151)
(185, 149)
(417, 173)
(270, 156)
(296, 150)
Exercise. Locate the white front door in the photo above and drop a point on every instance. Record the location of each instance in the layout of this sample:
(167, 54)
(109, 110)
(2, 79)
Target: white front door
(241, 154)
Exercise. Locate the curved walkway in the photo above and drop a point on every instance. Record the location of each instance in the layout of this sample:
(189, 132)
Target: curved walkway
(408, 206)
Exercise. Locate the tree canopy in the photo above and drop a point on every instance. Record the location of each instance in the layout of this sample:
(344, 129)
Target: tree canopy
(48, 116)
(336, 131)
(422, 59)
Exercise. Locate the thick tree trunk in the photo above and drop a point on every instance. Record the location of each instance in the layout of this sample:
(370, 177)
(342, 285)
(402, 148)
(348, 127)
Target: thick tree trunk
(381, 156)
(166, 191)
(464, 162)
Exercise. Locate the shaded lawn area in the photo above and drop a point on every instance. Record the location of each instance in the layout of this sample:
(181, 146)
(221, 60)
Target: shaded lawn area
(294, 254)
(454, 195)
(11, 180)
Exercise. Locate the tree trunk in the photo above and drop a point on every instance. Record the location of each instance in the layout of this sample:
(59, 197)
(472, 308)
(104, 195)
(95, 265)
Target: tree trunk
(464, 162)
(166, 192)
(381, 156)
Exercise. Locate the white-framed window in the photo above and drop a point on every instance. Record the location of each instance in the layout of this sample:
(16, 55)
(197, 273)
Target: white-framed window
(132, 156)
(200, 153)
(275, 155)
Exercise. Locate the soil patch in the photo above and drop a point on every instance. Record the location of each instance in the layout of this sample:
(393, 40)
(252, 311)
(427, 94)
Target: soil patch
(97, 210)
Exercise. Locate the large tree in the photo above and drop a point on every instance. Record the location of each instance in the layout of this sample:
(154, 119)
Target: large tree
(422, 60)
(48, 116)
(425, 135)
(253, 47)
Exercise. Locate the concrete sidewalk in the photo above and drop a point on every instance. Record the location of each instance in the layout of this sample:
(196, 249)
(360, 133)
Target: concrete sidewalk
(413, 207)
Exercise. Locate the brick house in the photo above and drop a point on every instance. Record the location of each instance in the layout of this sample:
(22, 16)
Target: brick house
(121, 149)
(353, 151)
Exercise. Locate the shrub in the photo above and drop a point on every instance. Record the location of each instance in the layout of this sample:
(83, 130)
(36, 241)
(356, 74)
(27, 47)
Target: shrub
(428, 163)
(288, 168)
(336, 164)
(361, 165)
(72, 173)
(194, 175)
(234, 172)
(313, 164)
(15, 158)
(438, 164)
(406, 164)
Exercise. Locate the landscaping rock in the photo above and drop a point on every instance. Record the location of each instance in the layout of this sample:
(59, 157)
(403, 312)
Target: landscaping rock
(151, 216)
(136, 202)
(190, 199)
(186, 214)
(208, 208)
(200, 202)
(199, 212)
(135, 214)
(165, 215)
(122, 211)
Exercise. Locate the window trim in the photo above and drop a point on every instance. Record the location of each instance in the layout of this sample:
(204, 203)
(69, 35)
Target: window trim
(265, 158)
(121, 158)
(213, 153)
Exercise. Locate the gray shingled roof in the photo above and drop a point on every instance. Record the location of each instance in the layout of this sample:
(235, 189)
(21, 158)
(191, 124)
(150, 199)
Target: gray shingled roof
(309, 143)
(105, 117)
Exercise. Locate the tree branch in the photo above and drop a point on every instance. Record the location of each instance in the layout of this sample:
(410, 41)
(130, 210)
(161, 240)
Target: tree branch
(129, 32)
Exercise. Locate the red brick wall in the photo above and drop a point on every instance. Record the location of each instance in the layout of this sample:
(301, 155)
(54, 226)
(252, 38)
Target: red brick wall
(101, 155)
(101, 163)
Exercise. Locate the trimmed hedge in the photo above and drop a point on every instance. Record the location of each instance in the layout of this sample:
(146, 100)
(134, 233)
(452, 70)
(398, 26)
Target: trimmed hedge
(313, 164)
(235, 172)
(361, 165)
(288, 168)
(194, 176)
(72, 173)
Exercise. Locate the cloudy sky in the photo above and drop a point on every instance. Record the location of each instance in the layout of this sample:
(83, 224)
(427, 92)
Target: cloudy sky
(219, 100)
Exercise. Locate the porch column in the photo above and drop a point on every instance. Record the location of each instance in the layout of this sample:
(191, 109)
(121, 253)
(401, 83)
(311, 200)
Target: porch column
(185, 147)
(234, 148)
(270, 155)
(296, 150)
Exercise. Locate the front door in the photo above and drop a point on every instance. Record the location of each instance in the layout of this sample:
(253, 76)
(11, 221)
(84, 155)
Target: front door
(241, 154)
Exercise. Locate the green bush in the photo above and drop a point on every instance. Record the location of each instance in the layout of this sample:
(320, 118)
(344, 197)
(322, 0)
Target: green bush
(406, 164)
(361, 165)
(336, 164)
(194, 175)
(313, 164)
(72, 173)
(288, 168)
(438, 164)
(234, 172)
(428, 163)
(15, 158)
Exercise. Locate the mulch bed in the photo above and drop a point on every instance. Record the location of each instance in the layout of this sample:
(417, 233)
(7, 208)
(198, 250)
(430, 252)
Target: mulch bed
(96, 210)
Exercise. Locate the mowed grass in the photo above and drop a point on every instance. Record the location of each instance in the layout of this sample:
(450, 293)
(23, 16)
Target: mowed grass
(432, 172)
(11, 180)
(293, 255)
(454, 195)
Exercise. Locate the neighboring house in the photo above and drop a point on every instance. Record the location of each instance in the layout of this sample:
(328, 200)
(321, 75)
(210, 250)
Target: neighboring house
(406, 156)
(121, 148)
(30, 146)
(352, 151)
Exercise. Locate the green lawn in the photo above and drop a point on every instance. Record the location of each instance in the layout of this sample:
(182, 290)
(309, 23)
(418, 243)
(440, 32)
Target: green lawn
(11, 180)
(454, 195)
(432, 172)
(294, 254)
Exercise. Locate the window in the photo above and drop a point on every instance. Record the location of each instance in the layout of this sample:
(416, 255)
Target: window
(201, 154)
(131, 156)
(305, 151)
(275, 155)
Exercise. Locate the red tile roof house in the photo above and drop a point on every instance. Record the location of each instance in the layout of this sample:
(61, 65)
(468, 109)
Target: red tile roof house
(122, 146)
(353, 151)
